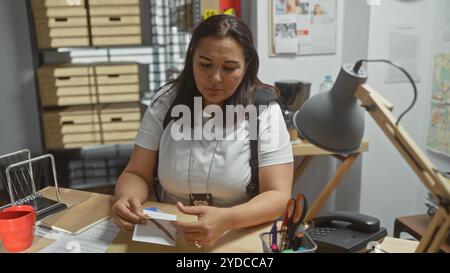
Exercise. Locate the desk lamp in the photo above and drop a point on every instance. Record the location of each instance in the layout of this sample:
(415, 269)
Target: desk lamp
(334, 121)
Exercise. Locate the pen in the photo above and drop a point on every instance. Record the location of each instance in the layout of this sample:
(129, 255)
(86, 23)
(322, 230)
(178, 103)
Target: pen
(274, 233)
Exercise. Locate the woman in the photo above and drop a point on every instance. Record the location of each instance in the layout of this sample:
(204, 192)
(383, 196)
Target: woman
(221, 69)
(293, 7)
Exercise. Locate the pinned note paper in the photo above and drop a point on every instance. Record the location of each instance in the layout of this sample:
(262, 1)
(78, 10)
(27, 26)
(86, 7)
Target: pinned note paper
(158, 229)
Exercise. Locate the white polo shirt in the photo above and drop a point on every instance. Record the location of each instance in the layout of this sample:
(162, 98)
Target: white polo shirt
(184, 165)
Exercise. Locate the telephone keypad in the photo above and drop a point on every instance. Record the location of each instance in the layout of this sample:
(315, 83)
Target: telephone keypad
(317, 233)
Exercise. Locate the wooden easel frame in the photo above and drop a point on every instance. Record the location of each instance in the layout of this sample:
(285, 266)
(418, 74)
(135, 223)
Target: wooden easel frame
(438, 185)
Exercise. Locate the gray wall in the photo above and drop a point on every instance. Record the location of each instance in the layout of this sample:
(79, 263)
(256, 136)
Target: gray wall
(19, 123)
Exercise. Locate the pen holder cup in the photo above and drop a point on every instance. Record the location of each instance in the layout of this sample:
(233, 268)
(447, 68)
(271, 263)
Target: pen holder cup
(309, 245)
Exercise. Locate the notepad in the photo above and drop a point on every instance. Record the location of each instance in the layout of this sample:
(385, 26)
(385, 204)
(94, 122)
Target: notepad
(82, 216)
(158, 230)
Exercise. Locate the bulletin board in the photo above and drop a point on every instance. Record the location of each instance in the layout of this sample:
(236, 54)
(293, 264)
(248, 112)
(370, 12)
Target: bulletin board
(302, 27)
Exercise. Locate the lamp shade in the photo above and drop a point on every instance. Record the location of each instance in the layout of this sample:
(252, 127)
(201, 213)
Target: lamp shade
(333, 120)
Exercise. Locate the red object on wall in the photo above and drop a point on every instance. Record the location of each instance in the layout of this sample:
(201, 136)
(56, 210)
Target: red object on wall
(227, 4)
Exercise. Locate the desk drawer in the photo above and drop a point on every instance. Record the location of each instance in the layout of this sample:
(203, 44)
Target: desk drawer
(51, 94)
(70, 138)
(64, 71)
(118, 89)
(116, 31)
(113, 2)
(112, 79)
(56, 12)
(55, 129)
(96, 137)
(62, 22)
(45, 32)
(114, 10)
(68, 91)
(53, 83)
(58, 120)
(80, 126)
(73, 114)
(68, 100)
(117, 79)
(66, 85)
(116, 40)
(86, 99)
(82, 115)
(116, 98)
(130, 68)
(118, 113)
(56, 3)
(62, 42)
(115, 21)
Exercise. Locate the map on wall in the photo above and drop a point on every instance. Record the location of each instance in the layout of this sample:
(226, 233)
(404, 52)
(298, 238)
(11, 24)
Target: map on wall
(439, 131)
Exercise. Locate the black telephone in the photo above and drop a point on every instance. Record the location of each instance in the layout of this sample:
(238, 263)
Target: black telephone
(345, 232)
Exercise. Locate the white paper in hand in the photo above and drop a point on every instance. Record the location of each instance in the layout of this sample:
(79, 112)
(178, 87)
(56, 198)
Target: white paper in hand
(153, 232)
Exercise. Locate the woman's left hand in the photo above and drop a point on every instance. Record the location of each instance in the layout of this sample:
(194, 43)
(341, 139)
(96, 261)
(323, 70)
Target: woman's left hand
(211, 225)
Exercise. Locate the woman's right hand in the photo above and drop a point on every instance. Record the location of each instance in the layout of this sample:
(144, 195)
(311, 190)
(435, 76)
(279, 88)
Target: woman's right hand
(127, 212)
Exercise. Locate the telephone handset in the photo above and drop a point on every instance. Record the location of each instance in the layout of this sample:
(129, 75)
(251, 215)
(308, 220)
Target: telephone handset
(345, 231)
(357, 221)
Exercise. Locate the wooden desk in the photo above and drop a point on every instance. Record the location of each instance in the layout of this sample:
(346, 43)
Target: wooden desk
(416, 226)
(236, 241)
(308, 151)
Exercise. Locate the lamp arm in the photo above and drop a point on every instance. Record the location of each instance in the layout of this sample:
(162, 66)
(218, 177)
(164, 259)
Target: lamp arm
(438, 185)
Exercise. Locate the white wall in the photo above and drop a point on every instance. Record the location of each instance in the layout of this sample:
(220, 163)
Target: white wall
(312, 69)
(389, 186)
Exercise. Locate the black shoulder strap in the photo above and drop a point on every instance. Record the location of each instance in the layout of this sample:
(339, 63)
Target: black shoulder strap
(263, 96)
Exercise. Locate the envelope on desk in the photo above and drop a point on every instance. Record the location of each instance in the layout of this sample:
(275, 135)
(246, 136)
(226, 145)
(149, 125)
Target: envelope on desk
(158, 229)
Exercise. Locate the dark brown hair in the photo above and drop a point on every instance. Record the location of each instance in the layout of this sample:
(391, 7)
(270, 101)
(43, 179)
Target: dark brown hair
(218, 26)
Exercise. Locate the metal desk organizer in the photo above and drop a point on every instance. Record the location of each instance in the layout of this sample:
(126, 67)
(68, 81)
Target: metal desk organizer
(309, 247)
(21, 182)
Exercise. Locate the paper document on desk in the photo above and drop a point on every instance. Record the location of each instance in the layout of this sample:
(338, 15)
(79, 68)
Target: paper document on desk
(158, 229)
(94, 240)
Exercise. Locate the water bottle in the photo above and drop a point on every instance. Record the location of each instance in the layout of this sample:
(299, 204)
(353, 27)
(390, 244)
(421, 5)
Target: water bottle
(326, 84)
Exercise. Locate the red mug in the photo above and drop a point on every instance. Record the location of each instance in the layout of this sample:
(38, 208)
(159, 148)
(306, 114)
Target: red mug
(17, 225)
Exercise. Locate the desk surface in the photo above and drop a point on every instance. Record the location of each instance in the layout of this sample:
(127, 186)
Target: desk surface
(305, 148)
(235, 241)
(239, 241)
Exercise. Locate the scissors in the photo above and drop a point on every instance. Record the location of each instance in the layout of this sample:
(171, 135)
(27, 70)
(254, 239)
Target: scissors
(294, 216)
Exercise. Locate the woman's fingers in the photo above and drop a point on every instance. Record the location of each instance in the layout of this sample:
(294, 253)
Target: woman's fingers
(125, 213)
(136, 207)
(188, 226)
(191, 210)
(122, 224)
